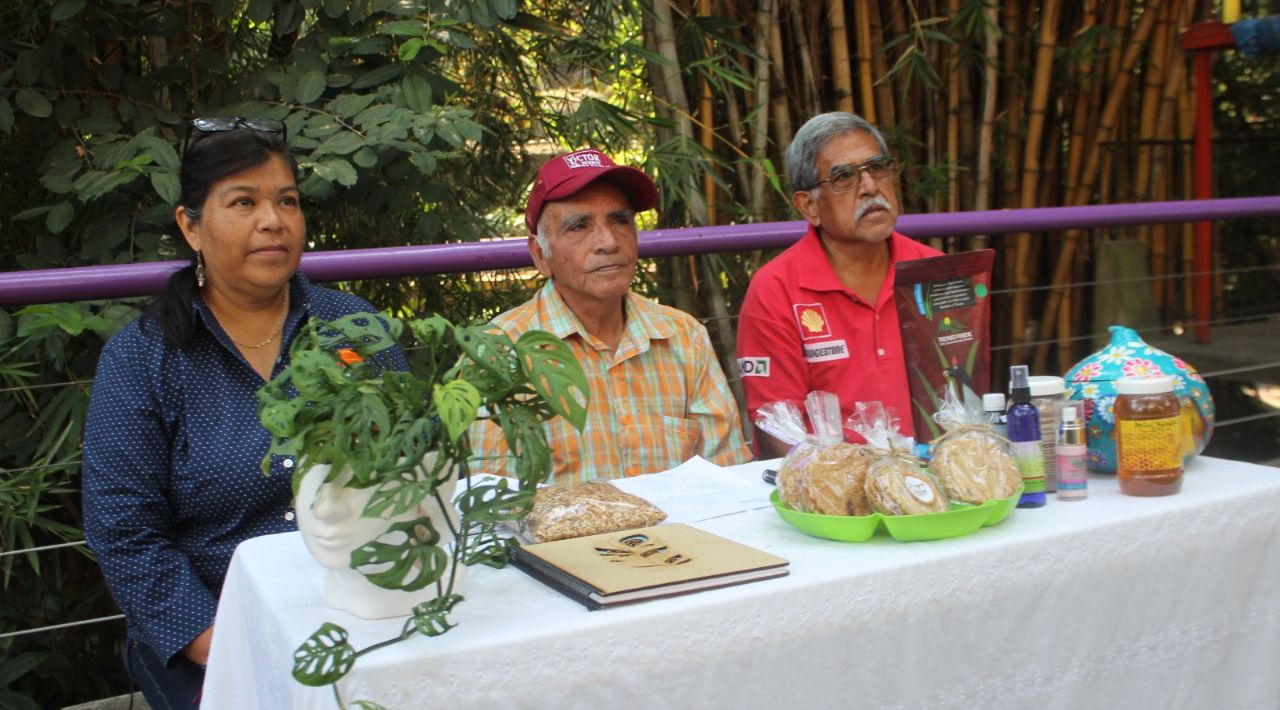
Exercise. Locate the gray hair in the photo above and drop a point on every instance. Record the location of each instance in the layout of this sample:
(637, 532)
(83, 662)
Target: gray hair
(813, 136)
(540, 236)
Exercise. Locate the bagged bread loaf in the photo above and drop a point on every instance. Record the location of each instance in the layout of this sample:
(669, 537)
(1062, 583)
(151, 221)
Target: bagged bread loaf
(821, 474)
(895, 484)
(576, 509)
(971, 462)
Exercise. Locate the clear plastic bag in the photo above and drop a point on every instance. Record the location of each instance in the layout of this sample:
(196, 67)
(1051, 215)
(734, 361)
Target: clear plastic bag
(970, 460)
(577, 509)
(896, 485)
(821, 474)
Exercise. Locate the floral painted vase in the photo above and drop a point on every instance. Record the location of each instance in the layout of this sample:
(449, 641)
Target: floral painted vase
(1092, 381)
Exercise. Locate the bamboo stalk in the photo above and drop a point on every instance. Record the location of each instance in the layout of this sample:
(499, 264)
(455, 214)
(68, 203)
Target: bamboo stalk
(706, 114)
(840, 69)
(986, 130)
(862, 28)
(952, 70)
(801, 31)
(885, 110)
(766, 11)
(1105, 129)
(1023, 274)
(780, 113)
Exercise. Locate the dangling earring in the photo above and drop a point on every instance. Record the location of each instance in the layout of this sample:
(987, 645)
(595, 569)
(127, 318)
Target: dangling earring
(199, 270)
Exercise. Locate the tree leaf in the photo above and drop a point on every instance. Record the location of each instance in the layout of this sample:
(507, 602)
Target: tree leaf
(555, 375)
(381, 75)
(406, 556)
(65, 10)
(417, 93)
(34, 103)
(310, 87)
(365, 157)
(166, 186)
(339, 171)
(402, 28)
(457, 404)
(340, 143)
(408, 50)
(429, 616)
(348, 105)
(6, 116)
(59, 217)
(324, 657)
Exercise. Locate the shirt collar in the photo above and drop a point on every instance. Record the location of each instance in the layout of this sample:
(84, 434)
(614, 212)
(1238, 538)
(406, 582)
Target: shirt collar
(644, 321)
(815, 272)
(299, 305)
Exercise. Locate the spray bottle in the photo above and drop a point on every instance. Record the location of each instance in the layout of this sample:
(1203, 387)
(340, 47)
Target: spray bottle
(1024, 433)
(1073, 476)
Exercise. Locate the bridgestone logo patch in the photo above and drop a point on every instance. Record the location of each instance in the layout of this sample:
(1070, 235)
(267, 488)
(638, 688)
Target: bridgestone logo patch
(824, 351)
(753, 367)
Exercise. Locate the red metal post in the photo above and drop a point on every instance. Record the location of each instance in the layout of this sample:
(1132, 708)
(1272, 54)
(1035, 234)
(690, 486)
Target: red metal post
(1204, 190)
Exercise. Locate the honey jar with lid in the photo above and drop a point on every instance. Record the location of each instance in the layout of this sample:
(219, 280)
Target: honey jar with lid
(1148, 436)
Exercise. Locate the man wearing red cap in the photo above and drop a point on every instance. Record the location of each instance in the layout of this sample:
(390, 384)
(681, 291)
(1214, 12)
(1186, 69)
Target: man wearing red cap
(658, 396)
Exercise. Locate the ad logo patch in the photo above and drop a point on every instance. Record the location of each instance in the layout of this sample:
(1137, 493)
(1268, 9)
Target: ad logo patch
(753, 367)
(829, 350)
(812, 319)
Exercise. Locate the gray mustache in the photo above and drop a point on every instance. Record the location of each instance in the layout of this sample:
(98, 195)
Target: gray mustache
(865, 205)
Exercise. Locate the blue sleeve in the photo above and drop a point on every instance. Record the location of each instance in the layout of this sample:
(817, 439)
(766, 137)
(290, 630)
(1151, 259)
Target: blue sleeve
(128, 520)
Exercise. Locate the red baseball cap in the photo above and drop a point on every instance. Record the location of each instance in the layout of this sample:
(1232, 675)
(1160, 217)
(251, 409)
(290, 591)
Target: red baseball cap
(564, 175)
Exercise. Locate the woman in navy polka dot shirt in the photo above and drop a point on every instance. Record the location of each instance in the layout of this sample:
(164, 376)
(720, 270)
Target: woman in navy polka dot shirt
(173, 445)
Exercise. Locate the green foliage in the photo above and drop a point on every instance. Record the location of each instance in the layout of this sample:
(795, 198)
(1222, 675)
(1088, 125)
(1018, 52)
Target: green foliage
(405, 435)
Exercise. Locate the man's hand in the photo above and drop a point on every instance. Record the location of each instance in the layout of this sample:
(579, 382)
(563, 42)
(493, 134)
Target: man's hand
(198, 650)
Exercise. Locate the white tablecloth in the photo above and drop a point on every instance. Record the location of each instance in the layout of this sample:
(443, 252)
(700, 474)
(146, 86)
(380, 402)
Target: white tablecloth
(1115, 601)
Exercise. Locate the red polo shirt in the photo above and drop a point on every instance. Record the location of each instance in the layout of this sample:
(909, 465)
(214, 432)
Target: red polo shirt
(800, 330)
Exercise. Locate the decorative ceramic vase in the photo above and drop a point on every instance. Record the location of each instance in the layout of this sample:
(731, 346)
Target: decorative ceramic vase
(1092, 380)
(331, 520)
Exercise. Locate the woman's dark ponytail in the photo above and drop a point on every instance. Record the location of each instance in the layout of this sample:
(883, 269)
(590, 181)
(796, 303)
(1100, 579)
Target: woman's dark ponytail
(171, 312)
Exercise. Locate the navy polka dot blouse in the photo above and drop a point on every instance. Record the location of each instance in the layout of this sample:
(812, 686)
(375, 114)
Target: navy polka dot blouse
(172, 477)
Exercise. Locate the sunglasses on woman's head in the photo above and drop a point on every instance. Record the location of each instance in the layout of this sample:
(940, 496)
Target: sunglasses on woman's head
(222, 124)
(218, 124)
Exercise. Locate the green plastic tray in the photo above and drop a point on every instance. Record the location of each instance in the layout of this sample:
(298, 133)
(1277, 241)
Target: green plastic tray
(846, 528)
(1002, 507)
(960, 520)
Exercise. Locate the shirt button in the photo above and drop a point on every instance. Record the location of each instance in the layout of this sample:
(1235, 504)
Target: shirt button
(880, 352)
(288, 462)
(288, 515)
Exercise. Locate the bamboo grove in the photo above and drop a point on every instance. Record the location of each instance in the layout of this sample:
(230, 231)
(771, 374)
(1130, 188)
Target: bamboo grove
(988, 106)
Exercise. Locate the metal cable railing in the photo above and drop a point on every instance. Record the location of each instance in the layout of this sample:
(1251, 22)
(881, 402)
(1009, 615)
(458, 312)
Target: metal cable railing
(92, 283)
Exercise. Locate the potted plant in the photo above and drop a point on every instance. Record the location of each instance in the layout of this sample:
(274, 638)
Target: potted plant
(401, 437)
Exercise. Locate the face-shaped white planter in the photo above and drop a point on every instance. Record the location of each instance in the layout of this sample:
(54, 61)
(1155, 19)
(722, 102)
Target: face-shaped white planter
(329, 517)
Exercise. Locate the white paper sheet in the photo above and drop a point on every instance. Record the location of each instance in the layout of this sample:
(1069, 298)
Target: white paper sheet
(697, 490)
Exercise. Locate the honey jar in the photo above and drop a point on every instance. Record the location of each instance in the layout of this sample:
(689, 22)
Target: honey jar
(1148, 436)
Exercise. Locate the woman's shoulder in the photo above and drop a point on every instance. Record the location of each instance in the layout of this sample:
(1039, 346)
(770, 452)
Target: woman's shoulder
(331, 303)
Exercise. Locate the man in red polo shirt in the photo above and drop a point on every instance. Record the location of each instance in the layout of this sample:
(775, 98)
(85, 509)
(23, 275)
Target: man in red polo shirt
(821, 315)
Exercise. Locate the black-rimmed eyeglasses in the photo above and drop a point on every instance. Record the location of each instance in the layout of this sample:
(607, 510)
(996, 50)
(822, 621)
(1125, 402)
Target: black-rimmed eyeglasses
(846, 177)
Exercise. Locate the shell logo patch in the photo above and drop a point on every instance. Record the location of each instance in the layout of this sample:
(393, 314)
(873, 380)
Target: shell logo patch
(812, 319)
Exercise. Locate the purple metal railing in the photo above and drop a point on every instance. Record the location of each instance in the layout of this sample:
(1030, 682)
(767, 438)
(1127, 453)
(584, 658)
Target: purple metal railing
(119, 281)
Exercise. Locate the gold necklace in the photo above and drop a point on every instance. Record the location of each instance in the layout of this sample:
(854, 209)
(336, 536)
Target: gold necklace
(278, 329)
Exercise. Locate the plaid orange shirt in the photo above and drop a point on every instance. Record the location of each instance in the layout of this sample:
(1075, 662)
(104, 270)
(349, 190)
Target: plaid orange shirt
(657, 401)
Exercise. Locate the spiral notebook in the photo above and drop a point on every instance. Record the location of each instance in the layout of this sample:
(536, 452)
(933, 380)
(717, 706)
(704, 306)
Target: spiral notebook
(648, 563)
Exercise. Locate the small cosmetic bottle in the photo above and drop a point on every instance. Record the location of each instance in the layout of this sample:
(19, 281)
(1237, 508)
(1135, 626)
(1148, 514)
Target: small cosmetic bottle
(1073, 472)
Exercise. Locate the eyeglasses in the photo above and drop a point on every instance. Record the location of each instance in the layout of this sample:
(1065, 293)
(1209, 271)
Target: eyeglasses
(207, 125)
(846, 177)
(218, 124)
